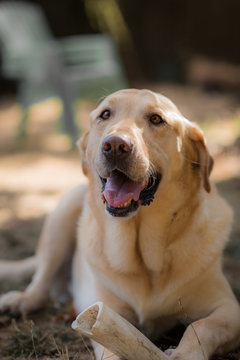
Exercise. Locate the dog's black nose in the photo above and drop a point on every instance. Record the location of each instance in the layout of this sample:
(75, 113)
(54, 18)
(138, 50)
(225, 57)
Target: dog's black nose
(117, 146)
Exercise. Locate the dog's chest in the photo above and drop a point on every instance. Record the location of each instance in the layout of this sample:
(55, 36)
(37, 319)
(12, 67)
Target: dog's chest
(130, 248)
(143, 292)
(131, 267)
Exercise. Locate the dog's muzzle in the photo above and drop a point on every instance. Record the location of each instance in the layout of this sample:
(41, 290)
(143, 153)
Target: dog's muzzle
(121, 194)
(117, 148)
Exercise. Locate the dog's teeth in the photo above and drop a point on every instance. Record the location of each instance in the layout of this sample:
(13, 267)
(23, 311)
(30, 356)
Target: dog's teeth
(144, 183)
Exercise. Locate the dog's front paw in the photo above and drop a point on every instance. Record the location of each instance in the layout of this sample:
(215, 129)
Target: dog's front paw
(18, 302)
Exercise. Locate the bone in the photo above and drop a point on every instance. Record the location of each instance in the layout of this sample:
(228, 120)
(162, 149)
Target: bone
(105, 326)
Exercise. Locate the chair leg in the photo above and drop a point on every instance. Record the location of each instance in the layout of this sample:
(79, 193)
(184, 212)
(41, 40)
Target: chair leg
(67, 120)
(22, 101)
(22, 128)
(56, 73)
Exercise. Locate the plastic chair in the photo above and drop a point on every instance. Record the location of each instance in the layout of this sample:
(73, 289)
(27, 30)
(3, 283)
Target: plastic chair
(87, 66)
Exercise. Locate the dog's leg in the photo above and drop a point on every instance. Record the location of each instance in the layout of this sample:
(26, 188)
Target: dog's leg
(218, 332)
(57, 240)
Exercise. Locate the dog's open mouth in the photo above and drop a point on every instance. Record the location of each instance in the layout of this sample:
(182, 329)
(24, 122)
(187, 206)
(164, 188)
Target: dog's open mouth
(123, 195)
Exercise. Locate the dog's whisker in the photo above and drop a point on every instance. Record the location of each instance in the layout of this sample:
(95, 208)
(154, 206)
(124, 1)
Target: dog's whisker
(198, 163)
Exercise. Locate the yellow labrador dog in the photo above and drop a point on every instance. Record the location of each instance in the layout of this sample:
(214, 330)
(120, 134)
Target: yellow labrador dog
(151, 229)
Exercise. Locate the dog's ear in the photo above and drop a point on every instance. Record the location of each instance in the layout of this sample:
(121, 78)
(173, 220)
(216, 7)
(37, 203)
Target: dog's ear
(204, 161)
(82, 145)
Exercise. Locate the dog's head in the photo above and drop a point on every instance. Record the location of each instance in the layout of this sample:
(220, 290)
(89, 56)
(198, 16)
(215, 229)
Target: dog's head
(137, 140)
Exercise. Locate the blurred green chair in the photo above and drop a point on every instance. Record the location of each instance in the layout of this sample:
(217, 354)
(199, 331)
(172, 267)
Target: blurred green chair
(86, 66)
(94, 65)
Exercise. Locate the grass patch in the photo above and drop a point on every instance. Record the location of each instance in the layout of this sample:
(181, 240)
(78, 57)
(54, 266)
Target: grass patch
(48, 336)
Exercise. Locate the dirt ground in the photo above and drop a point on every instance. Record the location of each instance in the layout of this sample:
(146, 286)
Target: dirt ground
(34, 174)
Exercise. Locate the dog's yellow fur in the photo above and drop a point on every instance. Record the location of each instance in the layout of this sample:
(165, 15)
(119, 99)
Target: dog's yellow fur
(163, 261)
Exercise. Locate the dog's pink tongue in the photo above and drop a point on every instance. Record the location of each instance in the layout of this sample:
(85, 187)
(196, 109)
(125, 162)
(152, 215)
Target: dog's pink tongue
(119, 190)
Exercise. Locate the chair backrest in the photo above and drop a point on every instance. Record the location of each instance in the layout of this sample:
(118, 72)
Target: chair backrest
(24, 34)
(29, 52)
(94, 64)
(90, 55)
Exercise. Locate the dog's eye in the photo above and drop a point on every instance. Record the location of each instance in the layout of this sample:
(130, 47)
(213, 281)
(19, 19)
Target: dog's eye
(105, 115)
(157, 119)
